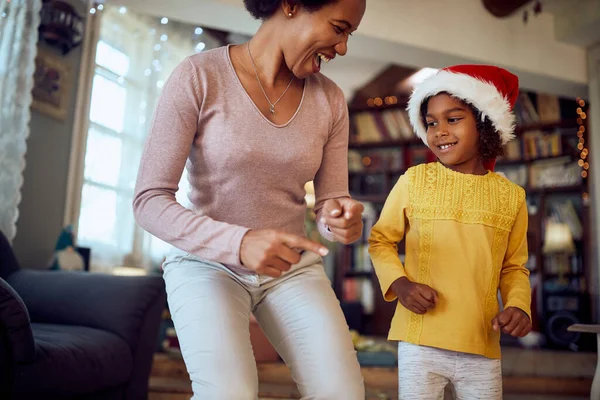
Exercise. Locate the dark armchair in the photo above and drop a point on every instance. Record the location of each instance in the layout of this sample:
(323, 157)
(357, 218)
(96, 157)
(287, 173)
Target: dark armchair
(70, 335)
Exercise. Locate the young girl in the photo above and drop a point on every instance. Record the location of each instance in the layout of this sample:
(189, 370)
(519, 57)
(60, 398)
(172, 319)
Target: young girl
(465, 229)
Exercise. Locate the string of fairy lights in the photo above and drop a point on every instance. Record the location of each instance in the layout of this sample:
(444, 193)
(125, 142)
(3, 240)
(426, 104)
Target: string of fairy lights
(581, 146)
(379, 102)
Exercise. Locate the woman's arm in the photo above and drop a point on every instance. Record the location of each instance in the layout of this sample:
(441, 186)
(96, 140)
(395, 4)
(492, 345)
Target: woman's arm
(338, 216)
(331, 180)
(167, 148)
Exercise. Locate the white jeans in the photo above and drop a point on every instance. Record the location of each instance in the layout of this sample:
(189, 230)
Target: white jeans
(210, 305)
(424, 372)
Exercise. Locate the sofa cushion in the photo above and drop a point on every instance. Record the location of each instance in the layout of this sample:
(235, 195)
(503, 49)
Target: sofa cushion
(8, 261)
(14, 324)
(72, 360)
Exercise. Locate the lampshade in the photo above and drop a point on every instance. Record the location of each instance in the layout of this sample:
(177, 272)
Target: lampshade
(309, 188)
(558, 238)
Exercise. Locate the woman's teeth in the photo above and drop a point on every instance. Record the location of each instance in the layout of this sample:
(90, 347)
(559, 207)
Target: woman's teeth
(323, 57)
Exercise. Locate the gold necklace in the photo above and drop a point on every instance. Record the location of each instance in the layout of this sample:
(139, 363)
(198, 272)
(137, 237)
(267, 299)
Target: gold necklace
(271, 105)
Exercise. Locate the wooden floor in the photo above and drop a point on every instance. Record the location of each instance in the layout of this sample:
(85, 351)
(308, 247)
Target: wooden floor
(528, 375)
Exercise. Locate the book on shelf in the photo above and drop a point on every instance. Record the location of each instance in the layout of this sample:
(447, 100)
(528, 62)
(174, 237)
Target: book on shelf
(565, 212)
(357, 285)
(545, 109)
(381, 125)
(531, 264)
(530, 113)
(419, 155)
(374, 184)
(377, 160)
(515, 173)
(576, 284)
(560, 303)
(548, 107)
(360, 260)
(563, 264)
(534, 144)
(524, 110)
(359, 290)
(556, 172)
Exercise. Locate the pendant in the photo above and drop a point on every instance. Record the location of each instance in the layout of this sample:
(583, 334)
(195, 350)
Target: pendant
(272, 109)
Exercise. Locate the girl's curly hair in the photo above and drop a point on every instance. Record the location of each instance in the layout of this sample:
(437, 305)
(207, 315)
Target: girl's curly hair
(263, 9)
(490, 143)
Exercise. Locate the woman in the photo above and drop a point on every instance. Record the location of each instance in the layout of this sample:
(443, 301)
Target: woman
(252, 124)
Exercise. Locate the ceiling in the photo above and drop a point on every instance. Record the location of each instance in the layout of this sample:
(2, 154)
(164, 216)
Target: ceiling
(575, 22)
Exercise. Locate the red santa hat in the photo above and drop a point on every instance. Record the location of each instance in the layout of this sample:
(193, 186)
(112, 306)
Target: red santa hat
(492, 90)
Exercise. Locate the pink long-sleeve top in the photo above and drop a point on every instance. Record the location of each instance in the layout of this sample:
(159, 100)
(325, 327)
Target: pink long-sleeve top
(244, 171)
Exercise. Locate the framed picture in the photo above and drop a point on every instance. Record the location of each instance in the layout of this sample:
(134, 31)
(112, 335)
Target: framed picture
(51, 87)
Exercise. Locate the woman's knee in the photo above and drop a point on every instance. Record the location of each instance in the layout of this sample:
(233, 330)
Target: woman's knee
(341, 380)
(225, 385)
(336, 389)
(229, 392)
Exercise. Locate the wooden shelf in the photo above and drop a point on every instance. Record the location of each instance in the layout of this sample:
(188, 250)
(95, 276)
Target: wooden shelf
(377, 171)
(558, 189)
(401, 104)
(359, 274)
(532, 160)
(545, 126)
(565, 275)
(370, 198)
(384, 144)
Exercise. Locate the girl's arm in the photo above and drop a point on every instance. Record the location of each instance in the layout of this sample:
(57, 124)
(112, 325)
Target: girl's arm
(385, 235)
(514, 277)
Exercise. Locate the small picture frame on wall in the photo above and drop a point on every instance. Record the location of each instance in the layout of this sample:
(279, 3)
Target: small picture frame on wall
(51, 86)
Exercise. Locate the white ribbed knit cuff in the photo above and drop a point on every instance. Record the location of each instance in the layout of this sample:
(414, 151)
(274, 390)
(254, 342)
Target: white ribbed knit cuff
(324, 231)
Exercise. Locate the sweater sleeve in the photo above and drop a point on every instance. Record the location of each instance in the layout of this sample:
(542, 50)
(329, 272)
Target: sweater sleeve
(331, 180)
(166, 150)
(385, 235)
(514, 277)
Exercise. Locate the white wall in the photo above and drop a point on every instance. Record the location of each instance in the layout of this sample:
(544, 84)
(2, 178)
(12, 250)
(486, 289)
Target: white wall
(464, 28)
(576, 22)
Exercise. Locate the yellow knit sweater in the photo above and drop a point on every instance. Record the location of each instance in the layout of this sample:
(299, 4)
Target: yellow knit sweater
(466, 237)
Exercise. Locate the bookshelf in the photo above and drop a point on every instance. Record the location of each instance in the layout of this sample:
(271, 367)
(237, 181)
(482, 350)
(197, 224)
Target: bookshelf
(548, 158)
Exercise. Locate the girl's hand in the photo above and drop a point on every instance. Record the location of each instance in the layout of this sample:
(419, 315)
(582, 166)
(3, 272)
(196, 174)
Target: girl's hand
(415, 297)
(343, 216)
(270, 252)
(513, 321)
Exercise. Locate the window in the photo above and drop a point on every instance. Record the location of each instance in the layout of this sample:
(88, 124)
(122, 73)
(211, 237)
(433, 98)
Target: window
(134, 56)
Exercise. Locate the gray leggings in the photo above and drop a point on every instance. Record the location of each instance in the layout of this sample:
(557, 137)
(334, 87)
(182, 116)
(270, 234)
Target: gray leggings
(424, 372)
(210, 305)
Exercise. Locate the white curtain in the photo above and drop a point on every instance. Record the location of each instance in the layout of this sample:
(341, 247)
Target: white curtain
(19, 20)
(135, 54)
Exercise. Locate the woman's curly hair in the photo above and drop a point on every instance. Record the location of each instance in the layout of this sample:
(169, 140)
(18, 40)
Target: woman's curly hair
(263, 9)
(490, 143)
